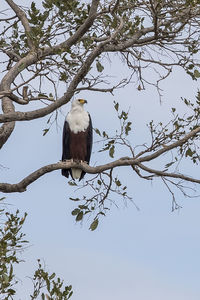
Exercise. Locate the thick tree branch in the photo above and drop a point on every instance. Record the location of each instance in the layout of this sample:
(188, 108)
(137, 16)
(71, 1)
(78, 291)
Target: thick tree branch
(24, 116)
(8, 108)
(7, 104)
(124, 161)
(166, 23)
(38, 113)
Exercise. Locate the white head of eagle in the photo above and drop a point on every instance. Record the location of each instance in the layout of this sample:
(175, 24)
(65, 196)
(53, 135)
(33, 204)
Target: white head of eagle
(77, 138)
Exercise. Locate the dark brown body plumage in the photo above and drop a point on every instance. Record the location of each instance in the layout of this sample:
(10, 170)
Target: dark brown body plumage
(80, 138)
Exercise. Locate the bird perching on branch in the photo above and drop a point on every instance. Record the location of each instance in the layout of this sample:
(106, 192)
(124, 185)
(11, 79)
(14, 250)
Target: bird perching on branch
(77, 138)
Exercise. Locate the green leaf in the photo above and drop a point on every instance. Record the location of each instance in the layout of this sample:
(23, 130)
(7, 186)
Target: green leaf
(11, 292)
(82, 206)
(1, 199)
(196, 73)
(118, 183)
(112, 151)
(105, 135)
(116, 106)
(99, 66)
(97, 131)
(169, 164)
(70, 294)
(94, 225)
(186, 101)
(72, 183)
(5, 278)
(43, 296)
(52, 276)
(128, 128)
(45, 131)
(189, 152)
(63, 76)
(75, 211)
(79, 217)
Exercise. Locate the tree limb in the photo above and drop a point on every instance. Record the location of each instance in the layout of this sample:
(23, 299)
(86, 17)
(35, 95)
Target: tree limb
(8, 108)
(24, 116)
(124, 161)
(7, 104)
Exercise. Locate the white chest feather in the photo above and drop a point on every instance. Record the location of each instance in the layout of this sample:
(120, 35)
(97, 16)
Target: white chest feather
(78, 120)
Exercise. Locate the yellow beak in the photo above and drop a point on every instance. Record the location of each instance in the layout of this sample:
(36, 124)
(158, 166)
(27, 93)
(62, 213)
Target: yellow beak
(82, 101)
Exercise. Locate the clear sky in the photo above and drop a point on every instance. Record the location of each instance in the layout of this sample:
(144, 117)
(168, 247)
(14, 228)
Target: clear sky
(150, 253)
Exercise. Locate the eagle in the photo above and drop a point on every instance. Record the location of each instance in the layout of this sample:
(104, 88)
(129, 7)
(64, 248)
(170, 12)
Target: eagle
(77, 138)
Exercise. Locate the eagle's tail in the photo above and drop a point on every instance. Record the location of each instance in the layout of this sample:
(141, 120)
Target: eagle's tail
(65, 172)
(76, 173)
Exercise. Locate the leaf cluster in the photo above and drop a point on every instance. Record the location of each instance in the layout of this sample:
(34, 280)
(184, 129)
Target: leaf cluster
(164, 134)
(104, 190)
(11, 243)
(121, 135)
(48, 287)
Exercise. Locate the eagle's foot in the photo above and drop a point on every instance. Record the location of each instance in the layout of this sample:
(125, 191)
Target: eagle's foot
(85, 162)
(77, 161)
(64, 160)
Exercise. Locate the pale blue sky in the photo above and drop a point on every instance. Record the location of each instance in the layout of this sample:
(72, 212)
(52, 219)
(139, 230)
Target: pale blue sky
(147, 254)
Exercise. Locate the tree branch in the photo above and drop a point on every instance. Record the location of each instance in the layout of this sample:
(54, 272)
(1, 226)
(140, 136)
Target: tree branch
(8, 108)
(165, 174)
(22, 16)
(166, 148)
(77, 35)
(7, 104)
(124, 161)
(24, 116)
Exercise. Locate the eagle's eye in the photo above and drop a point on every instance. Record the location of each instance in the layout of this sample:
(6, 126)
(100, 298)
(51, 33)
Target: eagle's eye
(82, 101)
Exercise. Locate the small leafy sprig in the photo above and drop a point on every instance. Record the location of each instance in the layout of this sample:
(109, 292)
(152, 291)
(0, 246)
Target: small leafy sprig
(102, 189)
(164, 134)
(48, 286)
(121, 134)
(12, 242)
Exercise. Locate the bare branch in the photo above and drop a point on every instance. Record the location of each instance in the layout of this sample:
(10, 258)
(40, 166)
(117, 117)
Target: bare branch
(159, 173)
(8, 19)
